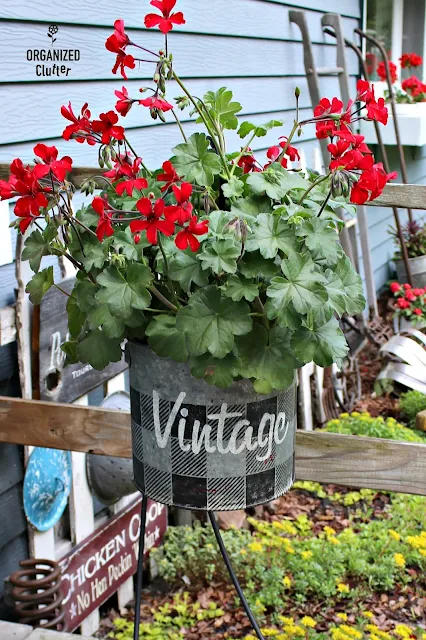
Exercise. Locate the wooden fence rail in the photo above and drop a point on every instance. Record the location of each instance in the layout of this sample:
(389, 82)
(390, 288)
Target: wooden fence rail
(321, 457)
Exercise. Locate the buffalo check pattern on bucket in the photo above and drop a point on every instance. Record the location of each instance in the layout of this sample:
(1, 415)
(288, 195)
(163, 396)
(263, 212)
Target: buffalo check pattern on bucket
(212, 479)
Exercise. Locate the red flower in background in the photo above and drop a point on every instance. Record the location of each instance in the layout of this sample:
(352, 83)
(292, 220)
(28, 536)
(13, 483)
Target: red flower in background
(274, 152)
(417, 311)
(395, 287)
(81, 126)
(104, 227)
(154, 222)
(49, 156)
(381, 71)
(402, 303)
(410, 60)
(154, 102)
(248, 162)
(187, 237)
(182, 211)
(107, 127)
(414, 86)
(124, 103)
(166, 21)
(24, 183)
(169, 176)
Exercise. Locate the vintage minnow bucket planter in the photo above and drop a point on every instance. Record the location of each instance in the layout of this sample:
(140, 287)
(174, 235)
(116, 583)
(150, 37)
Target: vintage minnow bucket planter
(222, 271)
(200, 447)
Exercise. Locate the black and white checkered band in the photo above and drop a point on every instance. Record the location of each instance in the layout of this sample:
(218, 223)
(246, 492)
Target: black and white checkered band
(260, 468)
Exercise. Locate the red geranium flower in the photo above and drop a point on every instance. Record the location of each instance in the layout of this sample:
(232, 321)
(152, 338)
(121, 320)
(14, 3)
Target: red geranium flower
(154, 221)
(417, 311)
(23, 182)
(154, 102)
(248, 162)
(377, 111)
(410, 296)
(167, 20)
(104, 227)
(406, 286)
(107, 126)
(327, 128)
(128, 169)
(395, 287)
(410, 60)
(169, 176)
(123, 60)
(81, 126)
(365, 91)
(124, 103)
(372, 181)
(187, 237)
(381, 71)
(402, 303)
(419, 292)
(119, 39)
(181, 212)
(49, 156)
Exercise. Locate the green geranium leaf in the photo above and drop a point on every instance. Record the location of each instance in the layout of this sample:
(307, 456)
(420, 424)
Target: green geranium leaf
(233, 188)
(185, 268)
(98, 350)
(95, 253)
(195, 162)
(249, 208)
(321, 239)
(286, 316)
(269, 182)
(40, 284)
(267, 357)
(259, 130)
(88, 216)
(84, 292)
(37, 246)
(238, 288)
(218, 221)
(220, 256)
(323, 344)
(253, 265)
(123, 240)
(351, 286)
(210, 322)
(335, 291)
(222, 108)
(70, 349)
(301, 286)
(123, 291)
(165, 339)
(270, 235)
(218, 372)
(100, 316)
(76, 317)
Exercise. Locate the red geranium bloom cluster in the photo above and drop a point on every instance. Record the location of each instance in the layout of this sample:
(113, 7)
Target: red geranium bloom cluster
(81, 127)
(128, 169)
(107, 127)
(337, 121)
(166, 21)
(413, 86)
(155, 220)
(104, 228)
(182, 211)
(410, 302)
(381, 71)
(117, 43)
(24, 183)
(408, 60)
(274, 152)
(154, 102)
(169, 176)
(187, 237)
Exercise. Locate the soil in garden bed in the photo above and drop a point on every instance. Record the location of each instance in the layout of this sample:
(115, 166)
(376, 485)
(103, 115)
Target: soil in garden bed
(405, 604)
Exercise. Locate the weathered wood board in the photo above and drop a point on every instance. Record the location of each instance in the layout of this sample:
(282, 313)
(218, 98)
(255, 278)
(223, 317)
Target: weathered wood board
(321, 457)
(56, 382)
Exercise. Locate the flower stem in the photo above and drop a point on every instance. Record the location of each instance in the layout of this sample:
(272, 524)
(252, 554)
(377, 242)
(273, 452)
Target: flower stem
(324, 204)
(162, 299)
(61, 290)
(243, 151)
(206, 123)
(179, 124)
(259, 305)
(166, 268)
(136, 155)
(314, 184)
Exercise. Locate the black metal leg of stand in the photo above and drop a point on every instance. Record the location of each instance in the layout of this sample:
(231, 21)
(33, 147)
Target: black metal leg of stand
(233, 576)
(139, 574)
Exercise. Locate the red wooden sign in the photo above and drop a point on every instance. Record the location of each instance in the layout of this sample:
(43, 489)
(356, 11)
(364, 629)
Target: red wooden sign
(93, 570)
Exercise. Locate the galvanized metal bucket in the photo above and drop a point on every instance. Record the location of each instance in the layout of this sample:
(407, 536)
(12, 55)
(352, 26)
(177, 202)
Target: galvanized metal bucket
(199, 447)
(418, 271)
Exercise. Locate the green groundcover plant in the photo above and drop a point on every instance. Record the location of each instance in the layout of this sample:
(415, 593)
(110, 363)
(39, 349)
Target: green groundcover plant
(411, 403)
(215, 258)
(362, 424)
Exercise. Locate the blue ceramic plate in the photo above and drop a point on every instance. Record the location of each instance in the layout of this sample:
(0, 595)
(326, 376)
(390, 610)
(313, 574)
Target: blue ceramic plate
(47, 485)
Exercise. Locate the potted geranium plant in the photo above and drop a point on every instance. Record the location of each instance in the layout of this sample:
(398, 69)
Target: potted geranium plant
(414, 234)
(224, 274)
(409, 305)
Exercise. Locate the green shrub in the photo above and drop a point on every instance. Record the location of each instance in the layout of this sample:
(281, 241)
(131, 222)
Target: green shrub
(362, 424)
(170, 621)
(411, 403)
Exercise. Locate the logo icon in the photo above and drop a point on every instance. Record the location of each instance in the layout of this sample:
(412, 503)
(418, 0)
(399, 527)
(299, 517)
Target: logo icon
(52, 31)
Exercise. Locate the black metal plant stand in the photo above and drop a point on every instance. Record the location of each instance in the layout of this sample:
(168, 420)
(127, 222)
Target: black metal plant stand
(226, 559)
